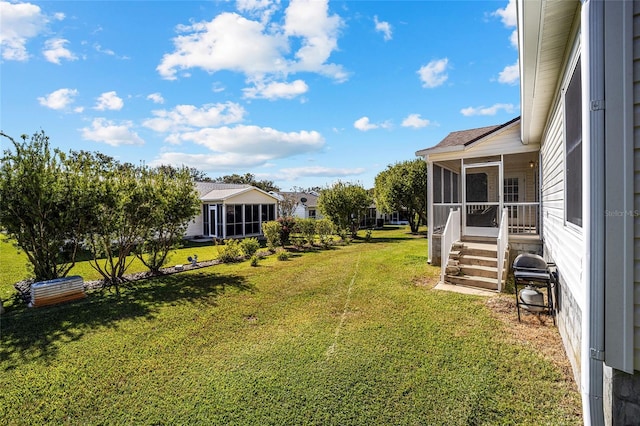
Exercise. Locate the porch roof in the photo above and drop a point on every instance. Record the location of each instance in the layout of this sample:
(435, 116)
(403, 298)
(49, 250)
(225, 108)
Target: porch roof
(457, 141)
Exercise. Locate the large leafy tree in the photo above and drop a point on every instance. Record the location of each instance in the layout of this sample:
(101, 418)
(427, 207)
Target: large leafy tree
(42, 206)
(344, 203)
(175, 202)
(249, 179)
(403, 186)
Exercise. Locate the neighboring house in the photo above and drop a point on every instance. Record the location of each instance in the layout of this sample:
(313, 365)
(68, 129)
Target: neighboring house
(232, 211)
(580, 128)
(306, 203)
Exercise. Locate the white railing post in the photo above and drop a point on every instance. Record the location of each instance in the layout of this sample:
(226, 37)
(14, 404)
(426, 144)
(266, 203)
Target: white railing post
(502, 242)
(450, 235)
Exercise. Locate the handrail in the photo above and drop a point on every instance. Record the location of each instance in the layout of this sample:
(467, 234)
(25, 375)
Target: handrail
(450, 235)
(502, 242)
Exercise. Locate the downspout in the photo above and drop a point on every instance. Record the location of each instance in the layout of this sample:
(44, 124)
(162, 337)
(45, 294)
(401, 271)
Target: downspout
(593, 211)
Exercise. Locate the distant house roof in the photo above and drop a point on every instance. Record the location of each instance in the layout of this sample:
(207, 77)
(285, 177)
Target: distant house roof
(222, 191)
(464, 138)
(310, 199)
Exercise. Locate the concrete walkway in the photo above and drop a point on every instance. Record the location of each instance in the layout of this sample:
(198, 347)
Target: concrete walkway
(465, 290)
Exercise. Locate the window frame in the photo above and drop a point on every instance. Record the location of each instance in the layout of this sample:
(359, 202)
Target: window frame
(571, 212)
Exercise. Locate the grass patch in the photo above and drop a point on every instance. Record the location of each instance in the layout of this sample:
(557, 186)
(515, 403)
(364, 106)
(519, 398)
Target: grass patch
(342, 337)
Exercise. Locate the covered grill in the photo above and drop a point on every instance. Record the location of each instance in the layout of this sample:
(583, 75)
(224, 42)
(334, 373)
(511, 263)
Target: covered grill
(532, 274)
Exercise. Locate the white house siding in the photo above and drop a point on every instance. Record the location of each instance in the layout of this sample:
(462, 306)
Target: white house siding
(563, 244)
(636, 137)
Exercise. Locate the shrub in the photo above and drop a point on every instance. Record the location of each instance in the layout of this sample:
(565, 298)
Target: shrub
(230, 251)
(287, 226)
(271, 231)
(324, 229)
(307, 228)
(249, 246)
(283, 255)
(254, 260)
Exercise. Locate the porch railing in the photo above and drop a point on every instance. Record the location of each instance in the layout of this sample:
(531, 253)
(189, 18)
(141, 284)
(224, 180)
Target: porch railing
(450, 235)
(441, 214)
(502, 243)
(524, 218)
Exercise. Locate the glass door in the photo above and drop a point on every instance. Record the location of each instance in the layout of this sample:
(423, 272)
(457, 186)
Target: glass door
(482, 199)
(213, 220)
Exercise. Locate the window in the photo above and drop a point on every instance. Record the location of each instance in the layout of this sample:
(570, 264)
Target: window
(511, 195)
(511, 190)
(573, 148)
(312, 213)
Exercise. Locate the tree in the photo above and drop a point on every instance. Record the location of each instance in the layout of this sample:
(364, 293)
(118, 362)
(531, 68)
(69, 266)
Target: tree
(288, 205)
(343, 204)
(41, 206)
(172, 171)
(249, 179)
(175, 201)
(403, 186)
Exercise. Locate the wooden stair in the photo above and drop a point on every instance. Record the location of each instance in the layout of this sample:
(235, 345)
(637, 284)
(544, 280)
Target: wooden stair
(474, 264)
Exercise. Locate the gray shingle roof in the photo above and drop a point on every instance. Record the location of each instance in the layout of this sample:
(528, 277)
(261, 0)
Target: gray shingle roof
(467, 137)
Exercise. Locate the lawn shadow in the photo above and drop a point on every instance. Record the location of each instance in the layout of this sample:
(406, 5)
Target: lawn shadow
(36, 333)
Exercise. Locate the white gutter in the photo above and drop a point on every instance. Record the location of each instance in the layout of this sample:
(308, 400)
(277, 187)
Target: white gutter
(592, 351)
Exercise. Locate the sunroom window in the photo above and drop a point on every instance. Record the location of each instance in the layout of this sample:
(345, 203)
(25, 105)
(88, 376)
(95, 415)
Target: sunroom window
(573, 148)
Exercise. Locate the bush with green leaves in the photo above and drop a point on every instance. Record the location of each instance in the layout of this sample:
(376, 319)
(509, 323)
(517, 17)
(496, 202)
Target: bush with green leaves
(282, 255)
(287, 226)
(271, 231)
(307, 229)
(230, 251)
(324, 228)
(249, 246)
(254, 260)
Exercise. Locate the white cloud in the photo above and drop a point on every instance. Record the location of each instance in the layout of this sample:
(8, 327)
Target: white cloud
(241, 146)
(58, 99)
(508, 14)
(415, 121)
(109, 101)
(253, 140)
(276, 90)
(107, 131)
(510, 74)
(209, 162)
(259, 48)
(228, 42)
(364, 124)
(492, 110)
(383, 27)
(317, 171)
(310, 20)
(54, 50)
(513, 39)
(188, 117)
(434, 73)
(156, 98)
(19, 22)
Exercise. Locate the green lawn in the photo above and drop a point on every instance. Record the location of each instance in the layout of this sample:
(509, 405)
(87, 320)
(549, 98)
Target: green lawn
(347, 336)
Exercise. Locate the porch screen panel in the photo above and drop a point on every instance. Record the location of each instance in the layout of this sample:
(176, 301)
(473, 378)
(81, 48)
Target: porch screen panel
(447, 187)
(219, 225)
(252, 218)
(205, 219)
(268, 212)
(437, 184)
(234, 220)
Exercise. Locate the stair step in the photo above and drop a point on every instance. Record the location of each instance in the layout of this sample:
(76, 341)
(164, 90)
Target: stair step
(478, 260)
(469, 281)
(479, 271)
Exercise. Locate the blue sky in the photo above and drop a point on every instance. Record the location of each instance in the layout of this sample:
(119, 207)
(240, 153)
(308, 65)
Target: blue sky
(303, 93)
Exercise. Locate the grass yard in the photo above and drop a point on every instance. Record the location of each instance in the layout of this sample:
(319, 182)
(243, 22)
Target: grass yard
(354, 335)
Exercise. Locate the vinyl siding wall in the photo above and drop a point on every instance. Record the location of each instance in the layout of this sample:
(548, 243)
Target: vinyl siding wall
(563, 242)
(636, 138)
